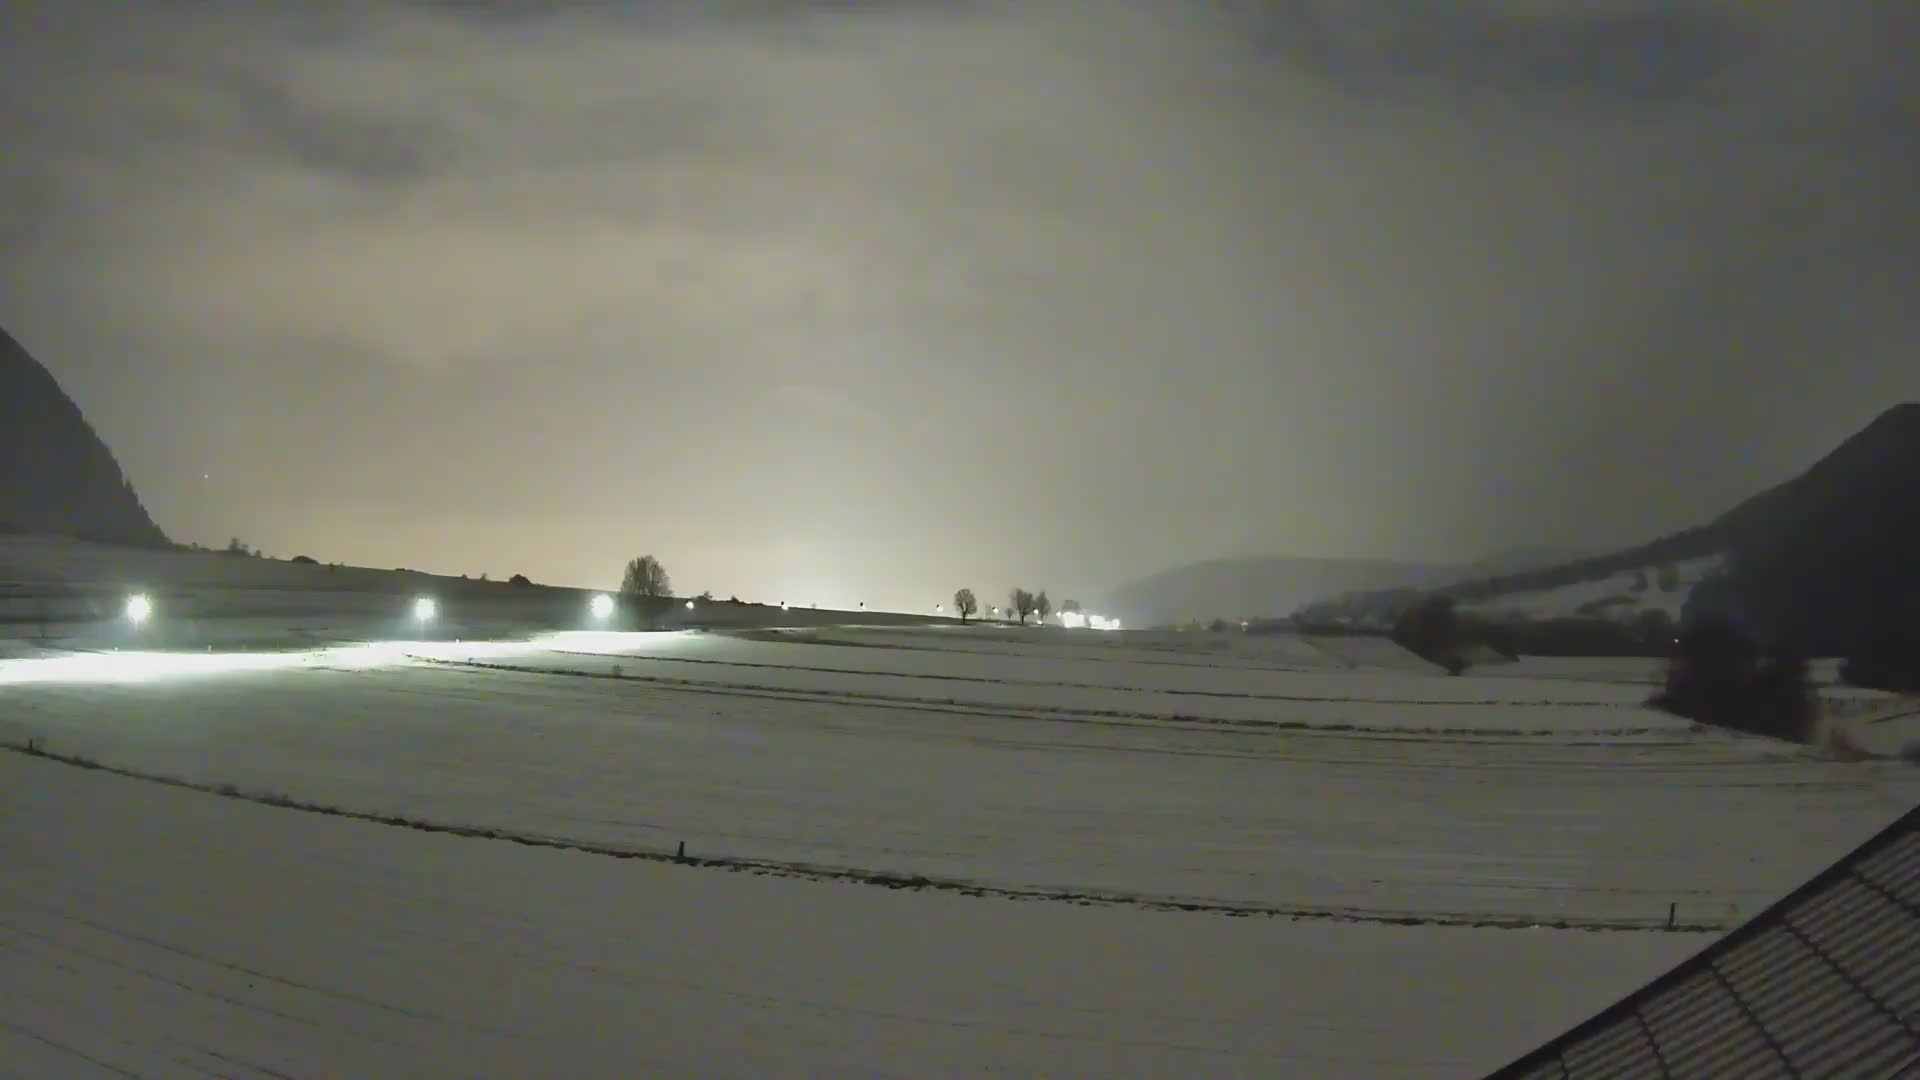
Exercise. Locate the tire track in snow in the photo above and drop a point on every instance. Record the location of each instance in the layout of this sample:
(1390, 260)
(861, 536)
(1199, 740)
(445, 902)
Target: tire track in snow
(1235, 662)
(1228, 694)
(77, 1054)
(1064, 712)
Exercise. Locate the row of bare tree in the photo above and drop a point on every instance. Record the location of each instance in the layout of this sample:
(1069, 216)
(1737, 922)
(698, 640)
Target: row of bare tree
(645, 577)
(1020, 602)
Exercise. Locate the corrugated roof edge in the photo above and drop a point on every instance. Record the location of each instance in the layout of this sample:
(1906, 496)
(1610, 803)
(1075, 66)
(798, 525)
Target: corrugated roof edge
(1760, 923)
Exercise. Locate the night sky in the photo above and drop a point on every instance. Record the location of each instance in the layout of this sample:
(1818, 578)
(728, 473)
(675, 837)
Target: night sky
(851, 301)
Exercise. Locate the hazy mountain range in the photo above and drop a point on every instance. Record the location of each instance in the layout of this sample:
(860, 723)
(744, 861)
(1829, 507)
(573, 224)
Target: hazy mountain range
(1271, 587)
(1822, 561)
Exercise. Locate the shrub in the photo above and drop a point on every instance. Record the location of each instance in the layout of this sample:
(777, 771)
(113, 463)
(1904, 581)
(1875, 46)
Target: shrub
(519, 579)
(1719, 676)
(1430, 630)
(1887, 658)
(1655, 630)
(305, 560)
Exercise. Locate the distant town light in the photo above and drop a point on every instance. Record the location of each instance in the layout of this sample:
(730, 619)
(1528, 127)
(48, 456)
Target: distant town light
(601, 606)
(139, 608)
(424, 609)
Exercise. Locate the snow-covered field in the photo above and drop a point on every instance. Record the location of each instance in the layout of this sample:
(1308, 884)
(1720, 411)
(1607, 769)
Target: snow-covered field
(1051, 798)
(153, 932)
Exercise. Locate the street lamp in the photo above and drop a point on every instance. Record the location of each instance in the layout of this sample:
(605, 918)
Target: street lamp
(139, 608)
(601, 607)
(424, 609)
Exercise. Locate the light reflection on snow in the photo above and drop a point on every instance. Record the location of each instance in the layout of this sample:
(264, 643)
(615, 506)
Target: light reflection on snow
(139, 666)
(1074, 620)
(613, 641)
(128, 667)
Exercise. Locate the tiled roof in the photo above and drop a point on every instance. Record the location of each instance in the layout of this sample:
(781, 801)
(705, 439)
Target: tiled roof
(1825, 983)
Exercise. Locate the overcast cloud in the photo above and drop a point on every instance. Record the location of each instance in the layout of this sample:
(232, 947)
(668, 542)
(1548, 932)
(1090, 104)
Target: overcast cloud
(865, 301)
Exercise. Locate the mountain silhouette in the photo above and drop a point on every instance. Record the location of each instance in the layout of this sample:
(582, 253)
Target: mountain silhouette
(58, 476)
(1822, 563)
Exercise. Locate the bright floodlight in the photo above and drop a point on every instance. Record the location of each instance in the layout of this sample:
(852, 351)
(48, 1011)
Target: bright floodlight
(601, 606)
(689, 605)
(139, 608)
(424, 609)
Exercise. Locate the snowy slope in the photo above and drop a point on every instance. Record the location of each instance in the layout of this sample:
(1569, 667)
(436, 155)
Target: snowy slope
(1620, 596)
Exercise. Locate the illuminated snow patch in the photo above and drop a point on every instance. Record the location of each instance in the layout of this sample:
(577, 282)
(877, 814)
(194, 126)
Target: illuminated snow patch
(611, 641)
(136, 667)
(150, 666)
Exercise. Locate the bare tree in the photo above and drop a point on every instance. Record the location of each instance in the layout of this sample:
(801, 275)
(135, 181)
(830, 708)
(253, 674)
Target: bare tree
(1042, 606)
(965, 603)
(1071, 607)
(1020, 602)
(646, 577)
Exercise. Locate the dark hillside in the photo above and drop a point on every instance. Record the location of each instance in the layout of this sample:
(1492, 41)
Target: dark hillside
(56, 476)
(1863, 490)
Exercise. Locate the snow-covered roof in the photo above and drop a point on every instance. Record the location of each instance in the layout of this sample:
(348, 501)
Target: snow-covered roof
(1824, 983)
